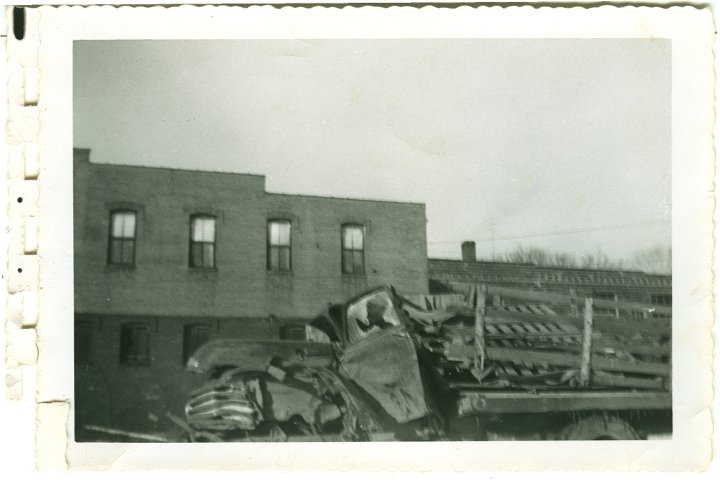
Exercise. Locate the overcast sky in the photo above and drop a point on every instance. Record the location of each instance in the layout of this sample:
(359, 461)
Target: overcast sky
(522, 140)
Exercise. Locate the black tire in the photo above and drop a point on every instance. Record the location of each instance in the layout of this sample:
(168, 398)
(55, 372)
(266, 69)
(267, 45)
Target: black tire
(600, 427)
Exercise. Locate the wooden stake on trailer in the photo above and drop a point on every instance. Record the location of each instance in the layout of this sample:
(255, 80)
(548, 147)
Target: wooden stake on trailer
(573, 300)
(585, 362)
(480, 326)
(617, 310)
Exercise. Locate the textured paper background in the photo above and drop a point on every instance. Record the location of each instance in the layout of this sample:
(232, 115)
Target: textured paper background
(691, 34)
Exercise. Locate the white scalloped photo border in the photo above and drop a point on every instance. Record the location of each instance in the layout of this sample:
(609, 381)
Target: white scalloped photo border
(42, 177)
(22, 132)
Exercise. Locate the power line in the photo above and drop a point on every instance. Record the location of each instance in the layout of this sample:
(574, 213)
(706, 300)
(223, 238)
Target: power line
(558, 233)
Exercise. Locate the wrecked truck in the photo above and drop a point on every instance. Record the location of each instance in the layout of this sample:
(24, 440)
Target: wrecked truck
(380, 367)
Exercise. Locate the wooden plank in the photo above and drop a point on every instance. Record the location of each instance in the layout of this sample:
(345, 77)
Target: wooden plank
(602, 346)
(526, 372)
(517, 355)
(480, 327)
(557, 328)
(601, 343)
(488, 402)
(543, 377)
(647, 328)
(573, 301)
(613, 380)
(506, 329)
(617, 310)
(652, 327)
(530, 328)
(562, 299)
(586, 355)
(510, 370)
(543, 328)
(491, 330)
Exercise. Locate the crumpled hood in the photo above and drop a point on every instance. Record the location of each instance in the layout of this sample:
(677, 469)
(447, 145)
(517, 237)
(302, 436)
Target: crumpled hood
(254, 355)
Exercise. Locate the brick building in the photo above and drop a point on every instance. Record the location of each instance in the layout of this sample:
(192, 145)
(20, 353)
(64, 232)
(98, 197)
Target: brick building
(603, 284)
(166, 259)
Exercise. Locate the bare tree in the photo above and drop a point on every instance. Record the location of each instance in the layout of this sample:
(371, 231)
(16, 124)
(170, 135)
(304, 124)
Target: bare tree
(599, 260)
(540, 257)
(657, 259)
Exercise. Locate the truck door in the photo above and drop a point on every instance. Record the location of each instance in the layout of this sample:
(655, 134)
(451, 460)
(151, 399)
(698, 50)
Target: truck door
(380, 356)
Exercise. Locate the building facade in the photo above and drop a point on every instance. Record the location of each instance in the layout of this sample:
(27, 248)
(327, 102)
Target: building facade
(167, 259)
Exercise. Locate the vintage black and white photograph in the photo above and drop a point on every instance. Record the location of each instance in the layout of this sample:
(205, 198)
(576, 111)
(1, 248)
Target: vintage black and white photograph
(372, 240)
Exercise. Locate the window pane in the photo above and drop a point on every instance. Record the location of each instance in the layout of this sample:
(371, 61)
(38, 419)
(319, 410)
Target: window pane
(273, 258)
(134, 344)
(209, 230)
(347, 237)
(117, 225)
(140, 336)
(123, 225)
(208, 255)
(357, 237)
(203, 229)
(196, 255)
(284, 234)
(202, 335)
(128, 251)
(347, 261)
(116, 251)
(195, 229)
(128, 225)
(284, 259)
(274, 234)
(353, 237)
(279, 233)
(358, 261)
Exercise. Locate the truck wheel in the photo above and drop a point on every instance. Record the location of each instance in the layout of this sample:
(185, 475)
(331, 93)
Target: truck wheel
(598, 427)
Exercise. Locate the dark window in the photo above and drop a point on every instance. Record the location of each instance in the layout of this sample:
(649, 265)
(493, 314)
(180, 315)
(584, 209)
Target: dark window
(665, 300)
(194, 336)
(293, 332)
(121, 250)
(202, 241)
(134, 344)
(353, 249)
(83, 342)
(279, 252)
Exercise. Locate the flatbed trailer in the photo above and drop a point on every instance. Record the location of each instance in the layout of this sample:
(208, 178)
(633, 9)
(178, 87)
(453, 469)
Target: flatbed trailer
(570, 375)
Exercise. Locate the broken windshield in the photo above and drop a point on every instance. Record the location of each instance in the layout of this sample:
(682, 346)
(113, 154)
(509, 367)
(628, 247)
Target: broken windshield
(371, 314)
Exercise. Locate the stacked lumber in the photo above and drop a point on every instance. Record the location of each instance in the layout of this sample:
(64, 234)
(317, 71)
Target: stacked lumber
(530, 345)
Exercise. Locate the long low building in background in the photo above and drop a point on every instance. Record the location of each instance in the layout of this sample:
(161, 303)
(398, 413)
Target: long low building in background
(651, 289)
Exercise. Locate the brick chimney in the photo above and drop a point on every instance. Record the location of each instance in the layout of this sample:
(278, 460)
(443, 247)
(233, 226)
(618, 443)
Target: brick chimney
(468, 251)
